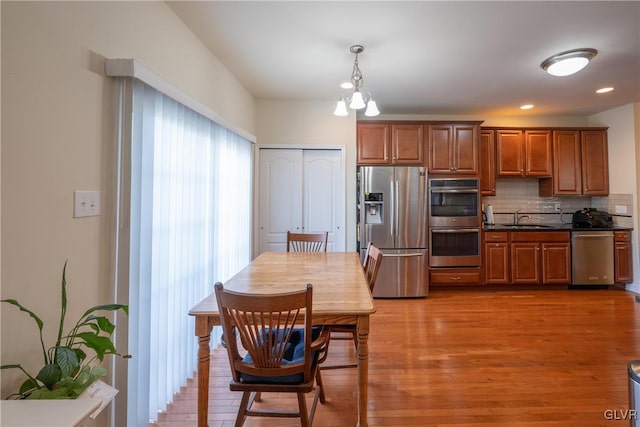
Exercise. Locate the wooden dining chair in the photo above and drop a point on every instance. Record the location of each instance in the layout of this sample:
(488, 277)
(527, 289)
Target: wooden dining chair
(372, 263)
(307, 242)
(280, 357)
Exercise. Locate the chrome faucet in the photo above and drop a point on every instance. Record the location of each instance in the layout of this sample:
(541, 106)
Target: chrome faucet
(517, 218)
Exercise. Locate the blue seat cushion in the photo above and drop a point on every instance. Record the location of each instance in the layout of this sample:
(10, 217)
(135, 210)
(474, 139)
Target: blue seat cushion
(294, 353)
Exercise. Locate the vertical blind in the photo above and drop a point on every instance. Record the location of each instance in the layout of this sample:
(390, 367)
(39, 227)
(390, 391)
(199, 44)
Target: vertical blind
(190, 226)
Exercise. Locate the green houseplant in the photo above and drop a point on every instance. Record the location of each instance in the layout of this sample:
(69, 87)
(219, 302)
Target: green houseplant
(67, 370)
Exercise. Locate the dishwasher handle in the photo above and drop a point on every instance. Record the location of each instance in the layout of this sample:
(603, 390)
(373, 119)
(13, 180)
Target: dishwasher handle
(592, 234)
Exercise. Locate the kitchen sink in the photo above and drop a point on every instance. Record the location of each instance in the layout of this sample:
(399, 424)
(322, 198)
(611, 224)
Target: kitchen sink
(524, 226)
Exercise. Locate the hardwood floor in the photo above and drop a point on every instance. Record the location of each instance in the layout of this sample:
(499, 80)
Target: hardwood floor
(480, 357)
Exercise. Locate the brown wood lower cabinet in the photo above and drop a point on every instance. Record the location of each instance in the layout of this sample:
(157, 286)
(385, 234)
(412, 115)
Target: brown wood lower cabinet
(527, 257)
(496, 258)
(622, 256)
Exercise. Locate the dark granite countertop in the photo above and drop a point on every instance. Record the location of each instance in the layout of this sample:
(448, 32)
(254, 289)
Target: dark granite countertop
(548, 227)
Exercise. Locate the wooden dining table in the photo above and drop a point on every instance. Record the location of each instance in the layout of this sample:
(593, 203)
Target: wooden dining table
(341, 296)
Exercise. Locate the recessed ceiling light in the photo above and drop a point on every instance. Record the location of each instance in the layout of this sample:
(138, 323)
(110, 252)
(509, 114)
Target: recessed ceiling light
(346, 85)
(604, 90)
(568, 62)
(526, 107)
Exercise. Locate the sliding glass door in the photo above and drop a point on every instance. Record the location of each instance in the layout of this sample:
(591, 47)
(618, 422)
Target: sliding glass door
(184, 223)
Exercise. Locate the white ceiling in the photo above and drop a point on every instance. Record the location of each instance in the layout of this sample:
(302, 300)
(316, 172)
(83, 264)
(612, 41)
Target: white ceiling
(427, 57)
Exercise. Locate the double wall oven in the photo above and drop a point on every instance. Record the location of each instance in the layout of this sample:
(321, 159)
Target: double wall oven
(454, 222)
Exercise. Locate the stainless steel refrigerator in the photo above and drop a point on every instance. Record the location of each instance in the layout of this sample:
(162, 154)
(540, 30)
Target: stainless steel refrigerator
(392, 205)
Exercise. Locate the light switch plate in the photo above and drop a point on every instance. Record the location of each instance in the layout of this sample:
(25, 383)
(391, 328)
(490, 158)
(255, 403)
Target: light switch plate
(86, 203)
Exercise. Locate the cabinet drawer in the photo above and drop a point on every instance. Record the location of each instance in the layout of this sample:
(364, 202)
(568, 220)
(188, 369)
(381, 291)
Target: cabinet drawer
(539, 236)
(455, 277)
(621, 236)
(496, 236)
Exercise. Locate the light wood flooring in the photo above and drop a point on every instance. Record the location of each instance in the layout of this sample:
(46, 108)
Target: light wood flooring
(477, 357)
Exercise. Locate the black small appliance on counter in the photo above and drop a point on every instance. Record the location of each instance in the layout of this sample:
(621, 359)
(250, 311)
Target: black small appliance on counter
(592, 218)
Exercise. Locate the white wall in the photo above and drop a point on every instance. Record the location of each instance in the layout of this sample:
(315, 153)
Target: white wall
(623, 139)
(312, 123)
(57, 137)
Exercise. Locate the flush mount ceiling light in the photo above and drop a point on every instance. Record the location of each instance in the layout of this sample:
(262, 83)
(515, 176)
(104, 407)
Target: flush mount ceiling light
(356, 98)
(568, 62)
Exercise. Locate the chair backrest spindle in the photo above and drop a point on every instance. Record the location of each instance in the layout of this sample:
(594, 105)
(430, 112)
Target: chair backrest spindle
(307, 242)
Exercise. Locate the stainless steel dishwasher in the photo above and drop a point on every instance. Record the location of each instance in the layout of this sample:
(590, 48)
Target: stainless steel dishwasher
(591, 258)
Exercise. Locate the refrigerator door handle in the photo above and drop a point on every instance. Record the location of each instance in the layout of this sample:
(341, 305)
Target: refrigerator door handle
(397, 214)
(402, 255)
(392, 211)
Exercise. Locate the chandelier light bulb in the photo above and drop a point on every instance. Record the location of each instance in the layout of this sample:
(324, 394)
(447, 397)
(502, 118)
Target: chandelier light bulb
(341, 108)
(357, 102)
(372, 109)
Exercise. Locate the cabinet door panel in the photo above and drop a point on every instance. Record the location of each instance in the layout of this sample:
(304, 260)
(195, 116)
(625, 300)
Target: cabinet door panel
(487, 163)
(538, 153)
(510, 161)
(556, 261)
(567, 178)
(525, 265)
(595, 163)
(407, 144)
(496, 264)
(440, 148)
(623, 262)
(373, 144)
(465, 149)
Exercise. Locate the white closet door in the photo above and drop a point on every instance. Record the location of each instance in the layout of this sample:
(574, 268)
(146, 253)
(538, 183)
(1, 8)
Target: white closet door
(323, 196)
(302, 191)
(280, 197)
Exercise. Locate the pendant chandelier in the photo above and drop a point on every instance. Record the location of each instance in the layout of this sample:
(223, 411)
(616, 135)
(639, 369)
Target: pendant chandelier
(356, 98)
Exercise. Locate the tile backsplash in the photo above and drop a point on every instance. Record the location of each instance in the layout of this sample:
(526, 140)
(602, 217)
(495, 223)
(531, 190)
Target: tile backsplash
(522, 195)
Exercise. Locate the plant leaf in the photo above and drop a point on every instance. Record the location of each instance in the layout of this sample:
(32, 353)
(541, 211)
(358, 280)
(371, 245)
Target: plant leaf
(37, 320)
(63, 306)
(104, 324)
(81, 355)
(49, 375)
(28, 385)
(107, 307)
(22, 308)
(67, 360)
(43, 393)
(101, 345)
(10, 367)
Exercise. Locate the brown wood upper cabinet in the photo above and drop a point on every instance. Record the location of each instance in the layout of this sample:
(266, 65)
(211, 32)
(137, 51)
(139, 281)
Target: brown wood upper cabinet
(523, 152)
(581, 165)
(390, 144)
(487, 162)
(453, 149)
